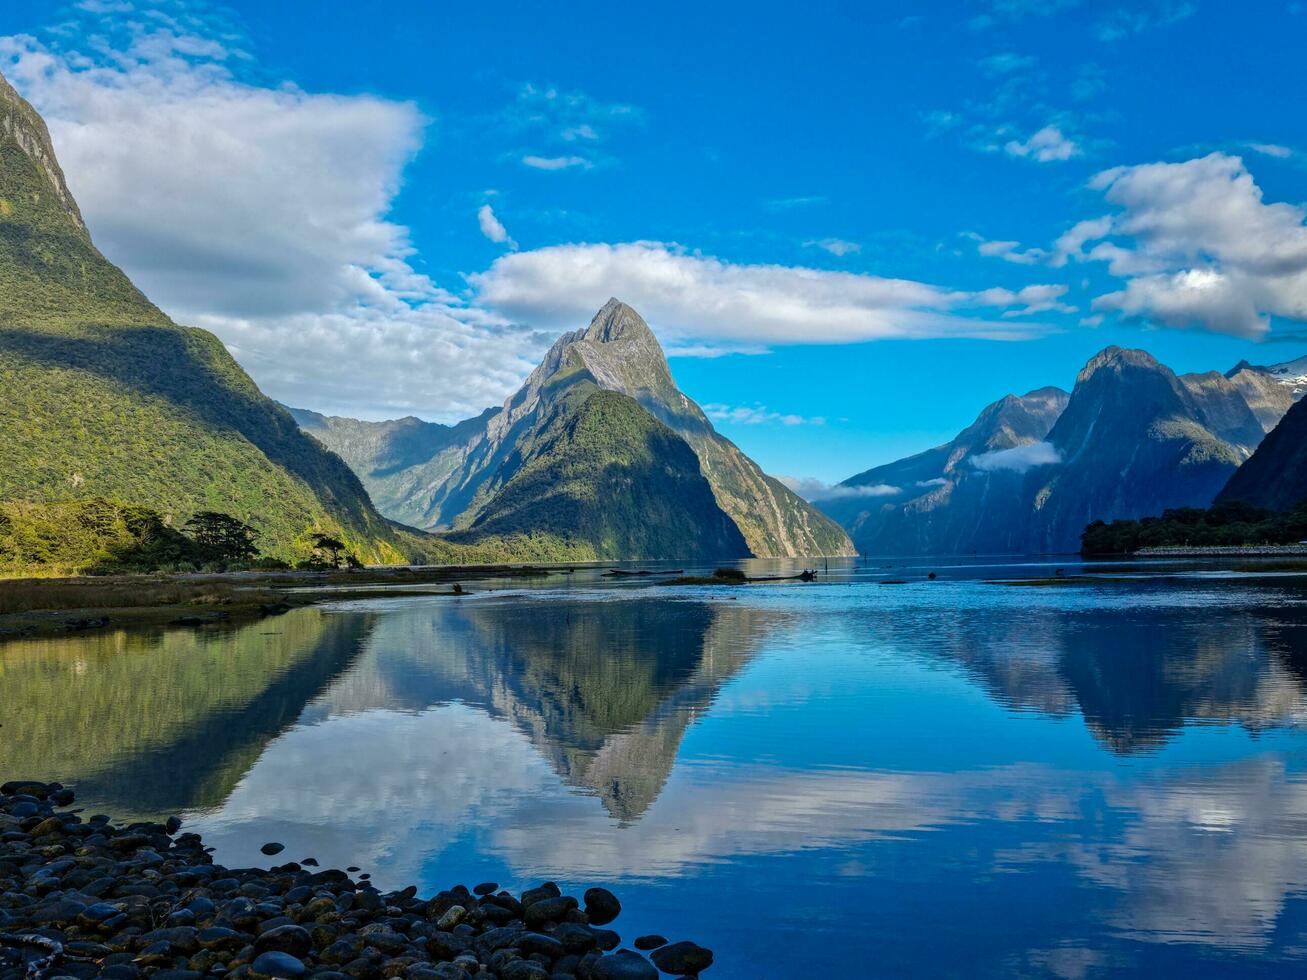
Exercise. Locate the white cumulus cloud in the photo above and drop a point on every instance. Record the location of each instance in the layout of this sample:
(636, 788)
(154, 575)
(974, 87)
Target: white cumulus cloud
(1198, 246)
(684, 294)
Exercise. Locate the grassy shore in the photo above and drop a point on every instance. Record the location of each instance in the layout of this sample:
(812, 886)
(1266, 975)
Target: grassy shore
(56, 605)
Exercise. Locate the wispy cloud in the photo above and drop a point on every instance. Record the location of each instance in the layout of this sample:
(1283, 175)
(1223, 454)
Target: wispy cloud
(1126, 21)
(547, 116)
(1271, 150)
(836, 246)
(1047, 145)
(556, 163)
(1007, 250)
(711, 351)
(757, 415)
(1005, 63)
(812, 489)
(492, 227)
(789, 203)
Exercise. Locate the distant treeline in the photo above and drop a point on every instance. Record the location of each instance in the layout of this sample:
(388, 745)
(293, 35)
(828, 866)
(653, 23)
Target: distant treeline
(102, 536)
(1225, 525)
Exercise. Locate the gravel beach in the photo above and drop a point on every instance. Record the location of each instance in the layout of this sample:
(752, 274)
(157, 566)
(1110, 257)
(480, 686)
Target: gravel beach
(85, 897)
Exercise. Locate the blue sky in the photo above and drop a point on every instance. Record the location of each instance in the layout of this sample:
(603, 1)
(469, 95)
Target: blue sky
(855, 210)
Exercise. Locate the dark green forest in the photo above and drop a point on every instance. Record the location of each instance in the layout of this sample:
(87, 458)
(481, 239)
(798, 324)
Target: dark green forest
(1224, 525)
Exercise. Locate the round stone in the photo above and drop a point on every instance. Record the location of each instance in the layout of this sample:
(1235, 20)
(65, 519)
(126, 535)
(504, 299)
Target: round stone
(683, 957)
(276, 964)
(601, 906)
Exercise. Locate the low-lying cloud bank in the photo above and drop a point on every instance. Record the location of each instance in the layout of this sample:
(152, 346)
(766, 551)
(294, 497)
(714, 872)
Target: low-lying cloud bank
(1018, 459)
(812, 489)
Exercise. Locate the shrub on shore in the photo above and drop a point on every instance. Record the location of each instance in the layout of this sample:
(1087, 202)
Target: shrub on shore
(100, 536)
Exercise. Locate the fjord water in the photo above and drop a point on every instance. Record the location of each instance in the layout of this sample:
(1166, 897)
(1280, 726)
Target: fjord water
(844, 779)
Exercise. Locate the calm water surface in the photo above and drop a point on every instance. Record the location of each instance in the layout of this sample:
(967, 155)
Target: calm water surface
(844, 779)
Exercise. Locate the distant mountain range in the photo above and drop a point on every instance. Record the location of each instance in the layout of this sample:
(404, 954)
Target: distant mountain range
(597, 455)
(104, 396)
(1132, 439)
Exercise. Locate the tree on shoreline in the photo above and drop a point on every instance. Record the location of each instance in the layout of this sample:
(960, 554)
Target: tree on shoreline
(332, 548)
(222, 537)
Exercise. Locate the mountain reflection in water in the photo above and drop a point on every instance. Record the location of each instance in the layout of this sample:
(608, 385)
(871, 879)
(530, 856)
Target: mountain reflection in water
(1060, 781)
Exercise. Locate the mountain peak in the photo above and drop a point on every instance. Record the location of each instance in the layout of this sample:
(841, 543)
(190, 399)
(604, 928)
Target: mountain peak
(1118, 359)
(616, 321)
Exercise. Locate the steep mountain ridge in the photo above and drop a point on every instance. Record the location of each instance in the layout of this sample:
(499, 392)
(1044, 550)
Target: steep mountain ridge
(456, 486)
(1276, 475)
(1292, 374)
(1268, 396)
(106, 397)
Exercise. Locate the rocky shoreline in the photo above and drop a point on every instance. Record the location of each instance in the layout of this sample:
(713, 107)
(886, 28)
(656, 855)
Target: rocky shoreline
(1221, 551)
(89, 898)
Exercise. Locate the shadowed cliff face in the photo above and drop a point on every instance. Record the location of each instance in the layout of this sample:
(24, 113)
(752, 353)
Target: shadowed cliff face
(605, 690)
(1276, 475)
(155, 723)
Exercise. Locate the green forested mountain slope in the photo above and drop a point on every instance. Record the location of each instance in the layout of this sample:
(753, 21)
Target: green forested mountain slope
(103, 396)
(596, 476)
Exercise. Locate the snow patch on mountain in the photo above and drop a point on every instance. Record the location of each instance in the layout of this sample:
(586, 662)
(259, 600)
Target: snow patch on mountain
(1290, 372)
